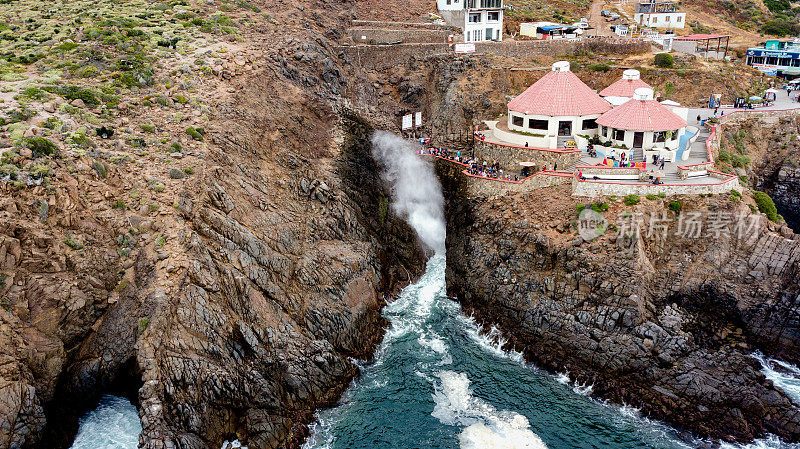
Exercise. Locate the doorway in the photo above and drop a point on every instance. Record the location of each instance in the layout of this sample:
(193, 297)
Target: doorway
(565, 128)
(638, 139)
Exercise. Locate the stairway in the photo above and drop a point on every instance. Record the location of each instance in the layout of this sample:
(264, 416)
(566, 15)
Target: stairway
(637, 155)
(562, 141)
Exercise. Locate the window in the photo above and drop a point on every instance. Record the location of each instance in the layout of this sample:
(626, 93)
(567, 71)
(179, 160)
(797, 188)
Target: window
(497, 35)
(475, 18)
(493, 16)
(603, 131)
(489, 34)
(448, 2)
(537, 124)
(677, 19)
(478, 35)
(517, 121)
(772, 60)
(467, 40)
(619, 134)
(659, 136)
(668, 19)
(589, 124)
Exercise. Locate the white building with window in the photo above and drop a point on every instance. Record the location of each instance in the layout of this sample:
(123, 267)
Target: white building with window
(481, 20)
(557, 107)
(642, 122)
(658, 14)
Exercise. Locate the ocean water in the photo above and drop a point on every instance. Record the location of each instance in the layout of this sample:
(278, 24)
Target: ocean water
(439, 381)
(114, 424)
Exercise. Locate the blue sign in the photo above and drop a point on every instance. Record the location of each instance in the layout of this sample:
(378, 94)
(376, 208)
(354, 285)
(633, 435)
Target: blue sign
(773, 53)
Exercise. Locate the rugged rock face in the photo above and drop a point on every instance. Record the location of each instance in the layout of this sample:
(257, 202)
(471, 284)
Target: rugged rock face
(230, 304)
(665, 324)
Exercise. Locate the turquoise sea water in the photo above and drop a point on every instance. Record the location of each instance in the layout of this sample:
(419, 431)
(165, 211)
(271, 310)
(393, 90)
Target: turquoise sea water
(437, 382)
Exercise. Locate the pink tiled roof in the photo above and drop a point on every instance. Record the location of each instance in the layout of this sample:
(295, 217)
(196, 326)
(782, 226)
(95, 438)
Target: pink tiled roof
(700, 37)
(623, 88)
(559, 93)
(641, 115)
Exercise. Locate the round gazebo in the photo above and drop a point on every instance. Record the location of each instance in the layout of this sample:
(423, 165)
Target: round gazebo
(643, 123)
(623, 89)
(558, 105)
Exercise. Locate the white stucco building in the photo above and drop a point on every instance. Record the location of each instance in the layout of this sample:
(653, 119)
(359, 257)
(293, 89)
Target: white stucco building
(644, 123)
(558, 106)
(481, 20)
(658, 14)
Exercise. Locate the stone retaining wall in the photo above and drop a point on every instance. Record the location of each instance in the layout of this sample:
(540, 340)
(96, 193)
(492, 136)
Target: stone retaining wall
(385, 36)
(492, 187)
(382, 57)
(595, 189)
(402, 25)
(510, 157)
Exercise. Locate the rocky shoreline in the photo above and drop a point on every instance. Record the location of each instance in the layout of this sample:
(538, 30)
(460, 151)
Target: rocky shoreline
(663, 325)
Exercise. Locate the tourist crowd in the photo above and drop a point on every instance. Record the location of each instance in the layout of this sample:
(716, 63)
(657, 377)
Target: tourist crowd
(475, 167)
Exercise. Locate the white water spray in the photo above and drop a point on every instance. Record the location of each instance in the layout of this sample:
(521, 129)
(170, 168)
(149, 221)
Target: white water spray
(416, 192)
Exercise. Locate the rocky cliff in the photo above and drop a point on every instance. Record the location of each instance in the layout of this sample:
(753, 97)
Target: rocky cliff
(217, 251)
(663, 321)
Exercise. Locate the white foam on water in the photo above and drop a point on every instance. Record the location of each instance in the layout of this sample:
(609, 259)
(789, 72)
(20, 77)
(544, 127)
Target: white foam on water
(437, 345)
(483, 425)
(114, 424)
(784, 375)
(582, 389)
(563, 378)
(492, 341)
(769, 442)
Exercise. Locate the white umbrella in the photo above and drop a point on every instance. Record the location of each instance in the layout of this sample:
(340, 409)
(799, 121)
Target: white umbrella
(794, 81)
(774, 91)
(528, 164)
(670, 103)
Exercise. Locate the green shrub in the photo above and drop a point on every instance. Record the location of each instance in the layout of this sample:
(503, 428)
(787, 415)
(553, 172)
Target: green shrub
(664, 60)
(175, 173)
(160, 240)
(738, 160)
(766, 205)
(148, 128)
(662, 195)
(195, 133)
(72, 242)
(100, 168)
(651, 196)
(631, 200)
(735, 195)
(601, 67)
(669, 88)
(675, 206)
(39, 146)
(724, 156)
(600, 207)
(175, 147)
(71, 92)
(31, 93)
(579, 208)
(189, 170)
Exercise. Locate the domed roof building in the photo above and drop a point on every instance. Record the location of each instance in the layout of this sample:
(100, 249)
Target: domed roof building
(623, 89)
(642, 122)
(557, 107)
